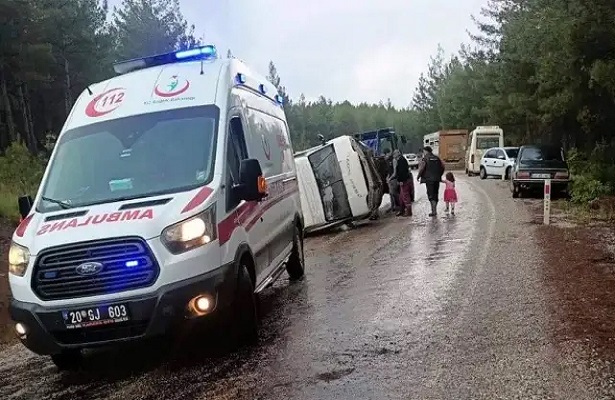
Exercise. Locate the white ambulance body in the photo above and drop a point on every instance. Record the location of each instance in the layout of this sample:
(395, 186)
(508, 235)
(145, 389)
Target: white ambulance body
(171, 195)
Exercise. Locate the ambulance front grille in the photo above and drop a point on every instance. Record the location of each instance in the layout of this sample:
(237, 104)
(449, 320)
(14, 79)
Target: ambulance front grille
(94, 268)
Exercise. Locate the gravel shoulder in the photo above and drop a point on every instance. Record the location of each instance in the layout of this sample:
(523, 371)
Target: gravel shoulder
(6, 333)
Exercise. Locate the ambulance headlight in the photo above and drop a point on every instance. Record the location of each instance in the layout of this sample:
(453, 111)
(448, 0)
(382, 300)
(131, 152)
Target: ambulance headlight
(19, 257)
(191, 233)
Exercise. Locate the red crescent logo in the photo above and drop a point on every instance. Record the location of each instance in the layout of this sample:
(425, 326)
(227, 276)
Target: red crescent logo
(105, 103)
(171, 94)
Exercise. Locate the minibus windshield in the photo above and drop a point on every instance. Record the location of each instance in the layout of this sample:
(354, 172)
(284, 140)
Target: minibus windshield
(133, 157)
(487, 142)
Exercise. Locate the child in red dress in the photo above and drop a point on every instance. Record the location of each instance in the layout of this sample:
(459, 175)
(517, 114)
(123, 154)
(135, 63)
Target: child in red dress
(450, 194)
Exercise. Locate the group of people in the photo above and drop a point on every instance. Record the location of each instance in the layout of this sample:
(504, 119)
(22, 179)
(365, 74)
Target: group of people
(401, 185)
(431, 171)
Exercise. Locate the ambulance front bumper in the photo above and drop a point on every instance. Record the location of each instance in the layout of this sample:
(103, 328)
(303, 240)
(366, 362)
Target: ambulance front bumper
(155, 314)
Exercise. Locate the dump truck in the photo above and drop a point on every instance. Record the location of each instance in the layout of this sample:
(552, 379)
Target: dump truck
(450, 145)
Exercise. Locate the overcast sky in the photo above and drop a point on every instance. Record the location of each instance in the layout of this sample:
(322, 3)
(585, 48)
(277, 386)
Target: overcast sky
(360, 50)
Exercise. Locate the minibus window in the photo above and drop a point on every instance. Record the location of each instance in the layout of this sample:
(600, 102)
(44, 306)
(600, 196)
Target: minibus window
(134, 157)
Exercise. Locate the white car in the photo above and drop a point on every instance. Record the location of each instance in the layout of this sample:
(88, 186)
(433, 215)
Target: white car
(413, 160)
(498, 161)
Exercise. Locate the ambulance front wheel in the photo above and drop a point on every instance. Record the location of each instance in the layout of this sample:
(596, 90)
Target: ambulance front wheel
(245, 310)
(68, 360)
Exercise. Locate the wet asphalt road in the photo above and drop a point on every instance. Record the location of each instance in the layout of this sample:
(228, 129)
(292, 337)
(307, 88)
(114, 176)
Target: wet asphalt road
(450, 308)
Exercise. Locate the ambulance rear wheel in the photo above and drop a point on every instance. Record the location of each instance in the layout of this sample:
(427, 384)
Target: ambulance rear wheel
(296, 262)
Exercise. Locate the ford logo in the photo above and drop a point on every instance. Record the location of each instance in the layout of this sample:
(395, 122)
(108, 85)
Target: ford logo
(89, 268)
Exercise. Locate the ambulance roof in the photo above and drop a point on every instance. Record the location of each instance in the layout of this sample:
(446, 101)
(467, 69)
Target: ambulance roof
(189, 78)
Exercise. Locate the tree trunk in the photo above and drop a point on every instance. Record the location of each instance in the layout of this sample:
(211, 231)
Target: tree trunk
(68, 100)
(24, 113)
(10, 123)
(34, 148)
(28, 122)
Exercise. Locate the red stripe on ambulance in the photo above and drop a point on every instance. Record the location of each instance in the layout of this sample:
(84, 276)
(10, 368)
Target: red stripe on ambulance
(248, 214)
(198, 199)
(129, 215)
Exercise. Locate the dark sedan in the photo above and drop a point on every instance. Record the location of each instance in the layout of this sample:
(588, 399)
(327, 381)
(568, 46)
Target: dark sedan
(535, 164)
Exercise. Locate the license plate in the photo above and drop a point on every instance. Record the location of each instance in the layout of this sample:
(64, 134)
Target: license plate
(541, 176)
(95, 316)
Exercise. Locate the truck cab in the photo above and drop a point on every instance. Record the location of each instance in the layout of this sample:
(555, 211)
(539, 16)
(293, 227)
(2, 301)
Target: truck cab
(381, 141)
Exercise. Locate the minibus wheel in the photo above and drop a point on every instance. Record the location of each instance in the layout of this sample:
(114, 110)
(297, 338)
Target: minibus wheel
(296, 263)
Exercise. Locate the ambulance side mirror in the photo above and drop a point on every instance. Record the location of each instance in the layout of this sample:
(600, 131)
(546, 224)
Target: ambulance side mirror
(252, 185)
(25, 205)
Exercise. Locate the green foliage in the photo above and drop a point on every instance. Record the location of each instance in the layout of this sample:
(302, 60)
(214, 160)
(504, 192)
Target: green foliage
(541, 69)
(544, 71)
(20, 173)
(50, 51)
(143, 27)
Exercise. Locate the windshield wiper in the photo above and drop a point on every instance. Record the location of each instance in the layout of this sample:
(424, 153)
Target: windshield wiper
(61, 203)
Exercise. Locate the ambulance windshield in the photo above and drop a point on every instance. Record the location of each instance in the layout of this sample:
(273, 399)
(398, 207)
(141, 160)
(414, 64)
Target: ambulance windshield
(133, 157)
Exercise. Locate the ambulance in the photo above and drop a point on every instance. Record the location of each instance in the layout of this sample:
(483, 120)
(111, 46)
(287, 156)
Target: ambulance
(170, 198)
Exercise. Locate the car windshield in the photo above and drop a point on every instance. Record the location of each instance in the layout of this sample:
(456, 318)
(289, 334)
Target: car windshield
(487, 142)
(512, 153)
(133, 157)
(542, 154)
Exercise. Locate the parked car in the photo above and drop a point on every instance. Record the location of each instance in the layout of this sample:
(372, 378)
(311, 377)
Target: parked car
(535, 164)
(413, 160)
(498, 161)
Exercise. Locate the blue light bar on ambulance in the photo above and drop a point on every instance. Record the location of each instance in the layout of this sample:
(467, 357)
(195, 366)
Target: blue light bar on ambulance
(198, 53)
(279, 99)
(241, 78)
(262, 89)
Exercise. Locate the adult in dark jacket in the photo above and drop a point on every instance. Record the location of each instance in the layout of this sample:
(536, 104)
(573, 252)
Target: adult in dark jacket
(392, 182)
(430, 173)
(404, 178)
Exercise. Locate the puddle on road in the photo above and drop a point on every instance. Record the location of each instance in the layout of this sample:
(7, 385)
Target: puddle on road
(425, 263)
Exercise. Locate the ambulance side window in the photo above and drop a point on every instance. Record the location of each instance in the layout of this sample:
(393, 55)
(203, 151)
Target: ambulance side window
(236, 151)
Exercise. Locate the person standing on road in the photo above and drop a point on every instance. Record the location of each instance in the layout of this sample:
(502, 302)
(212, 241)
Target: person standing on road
(392, 181)
(403, 177)
(450, 194)
(430, 173)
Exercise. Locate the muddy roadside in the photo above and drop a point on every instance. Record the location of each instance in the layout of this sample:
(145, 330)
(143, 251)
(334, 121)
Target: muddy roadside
(6, 333)
(579, 274)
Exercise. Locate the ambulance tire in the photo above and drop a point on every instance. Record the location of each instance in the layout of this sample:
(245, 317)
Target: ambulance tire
(245, 309)
(295, 266)
(68, 360)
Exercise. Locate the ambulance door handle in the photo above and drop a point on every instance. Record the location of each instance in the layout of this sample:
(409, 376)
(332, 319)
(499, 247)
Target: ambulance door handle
(294, 178)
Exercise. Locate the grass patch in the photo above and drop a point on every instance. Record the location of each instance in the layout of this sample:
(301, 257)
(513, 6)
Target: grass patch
(20, 173)
(598, 210)
(8, 204)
